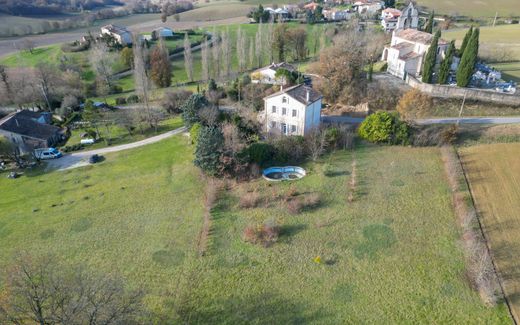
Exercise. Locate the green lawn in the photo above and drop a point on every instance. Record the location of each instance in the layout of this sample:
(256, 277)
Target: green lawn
(475, 8)
(392, 255)
(117, 135)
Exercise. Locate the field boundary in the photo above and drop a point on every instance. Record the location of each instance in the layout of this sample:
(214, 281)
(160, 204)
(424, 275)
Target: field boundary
(486, 241)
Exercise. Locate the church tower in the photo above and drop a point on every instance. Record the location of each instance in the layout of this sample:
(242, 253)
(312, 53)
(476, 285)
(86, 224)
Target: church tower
(409, 18)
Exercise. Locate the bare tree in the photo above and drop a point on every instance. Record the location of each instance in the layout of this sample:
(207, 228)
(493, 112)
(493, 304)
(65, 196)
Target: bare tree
(205, 60)
(251, 62)
(226, 53)
(259, 43)
(316, 142)
(216, 59)
(5, 86)
(46, 79)
(241, 49)
(188, 57)
(269, 38)
(40, 290)
(102, 62)
(142, 81)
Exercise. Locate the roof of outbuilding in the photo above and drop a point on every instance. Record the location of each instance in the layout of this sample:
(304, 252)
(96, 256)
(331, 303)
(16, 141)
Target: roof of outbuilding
(24, 123)
(299, 92)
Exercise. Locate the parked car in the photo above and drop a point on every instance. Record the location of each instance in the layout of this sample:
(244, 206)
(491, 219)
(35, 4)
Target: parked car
(87, 141)
(47, 153)
(95, 159)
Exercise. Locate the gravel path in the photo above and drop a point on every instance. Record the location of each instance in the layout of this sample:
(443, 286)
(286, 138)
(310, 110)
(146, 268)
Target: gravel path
(79, 159)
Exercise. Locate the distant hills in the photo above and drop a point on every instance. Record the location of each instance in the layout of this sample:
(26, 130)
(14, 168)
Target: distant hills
(52, 7)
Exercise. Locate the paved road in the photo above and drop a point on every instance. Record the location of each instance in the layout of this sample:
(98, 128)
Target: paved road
(443, 120)
(79, 159)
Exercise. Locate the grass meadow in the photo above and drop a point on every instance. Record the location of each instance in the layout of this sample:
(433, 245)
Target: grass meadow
(494, 175)
(474, 8)
(389, 253)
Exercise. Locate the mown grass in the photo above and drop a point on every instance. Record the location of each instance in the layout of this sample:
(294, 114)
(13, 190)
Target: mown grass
(494, 175)
(390, 256)
(116, 135)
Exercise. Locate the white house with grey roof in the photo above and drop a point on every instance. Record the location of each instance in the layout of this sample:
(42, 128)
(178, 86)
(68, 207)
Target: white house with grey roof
(293, 111)
(119, 33)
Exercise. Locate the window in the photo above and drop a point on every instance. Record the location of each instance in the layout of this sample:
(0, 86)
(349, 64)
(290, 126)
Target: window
(284, 111)
(274, 109)
(273, 124)
(284, 128)
(284, 99)
(438, 50)
(294, 113)
(293, 128)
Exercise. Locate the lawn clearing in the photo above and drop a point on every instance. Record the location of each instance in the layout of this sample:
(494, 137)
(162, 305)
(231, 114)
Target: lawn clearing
(494, 175)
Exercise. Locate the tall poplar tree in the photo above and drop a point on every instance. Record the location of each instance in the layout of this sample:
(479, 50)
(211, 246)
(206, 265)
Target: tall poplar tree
(188, 57)
(431, 59)
(468, 60)
(430, 23)
(444, 71)
(465, 41)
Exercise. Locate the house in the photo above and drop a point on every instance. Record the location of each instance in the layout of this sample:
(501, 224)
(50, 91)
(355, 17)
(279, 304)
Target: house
(278, 14)
(267, 75)
(120, 34)
(293, 111)
(390, 18)
(162, 32)
(368, 7)
(409, 18)
(406, 53)
(29, 130)
(336, 15)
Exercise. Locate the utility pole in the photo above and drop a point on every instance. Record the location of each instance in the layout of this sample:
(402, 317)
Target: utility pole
(495, 21)
(461, 108)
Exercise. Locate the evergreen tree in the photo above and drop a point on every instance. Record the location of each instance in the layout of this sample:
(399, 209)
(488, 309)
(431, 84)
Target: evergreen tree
(465, 41)
(210, 143)
(468, 60)
(190, 109)
(444, 71)
(431, 59)
(429, 24)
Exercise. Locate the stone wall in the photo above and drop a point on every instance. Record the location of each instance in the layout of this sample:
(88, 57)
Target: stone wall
(458, 92)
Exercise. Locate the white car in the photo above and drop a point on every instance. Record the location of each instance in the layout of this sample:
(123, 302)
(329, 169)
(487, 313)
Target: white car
(47, 153)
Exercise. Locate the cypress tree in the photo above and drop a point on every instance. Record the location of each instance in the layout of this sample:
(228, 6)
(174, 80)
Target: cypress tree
(468, 60)
(444, 71)
(431, 58)
(429, 24)
(465, 41)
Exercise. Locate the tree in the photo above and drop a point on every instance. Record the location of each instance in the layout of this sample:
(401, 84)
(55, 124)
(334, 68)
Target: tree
(188, 57)
(226, 53)
(127, 57)
(43, 291)
(102, 62)
(251, 61)
(216, 56)
(384, 127)
(468, 60)
(191, 108)
(161, 67)
(10, 151)
(444, 71)
(465, 41)
(316, 143)
(92, 115)
(209, 149)
(259, 44)
(259, 15)
(389, 3)
(414, 104)
(241, 49)
(297, 43)
(5, 85)
(46, 79)
(431, 59)
(430, 23)
(141, 80)
(279, 42)
(173, 100)
(204, 53)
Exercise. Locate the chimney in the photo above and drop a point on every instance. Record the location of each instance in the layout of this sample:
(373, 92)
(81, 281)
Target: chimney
(281, 87)
(308, 95)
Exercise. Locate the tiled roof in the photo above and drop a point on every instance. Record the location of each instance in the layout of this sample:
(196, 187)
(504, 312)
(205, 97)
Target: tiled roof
(299, 92)
(416, 36)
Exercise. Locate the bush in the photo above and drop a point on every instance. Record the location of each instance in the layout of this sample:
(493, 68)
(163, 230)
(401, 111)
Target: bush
(74, 147)
(132, 99)
(298, 204)
(259, 153)
(265, 234)
(120, 101)
(289, 149)
(383, 127)
(115, 89)
(194, 133)
(249, 200)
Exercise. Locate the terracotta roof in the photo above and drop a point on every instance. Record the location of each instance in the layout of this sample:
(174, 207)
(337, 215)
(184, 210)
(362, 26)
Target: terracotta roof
(24, 123)
(299, 92)
(401, 46)
(410, 55)
(416, 36)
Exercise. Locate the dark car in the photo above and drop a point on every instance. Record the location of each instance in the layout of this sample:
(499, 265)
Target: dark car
(95, 159)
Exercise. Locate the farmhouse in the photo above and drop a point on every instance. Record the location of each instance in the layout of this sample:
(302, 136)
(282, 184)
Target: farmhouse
(267, 75)
(278, 14)
(162, 32)
(312, 6)
(29, 130)
(293, 111)
(407, 50)
(336, 14)
(120, 34)
(390, 18)
(368, 7)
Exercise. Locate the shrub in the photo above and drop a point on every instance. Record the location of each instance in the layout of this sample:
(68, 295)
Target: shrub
(383, 127)
(115, 89)
(289, 149)
(259, 152)
(120, 101)
(209, 148)
(414, 104)
(194, 133)
(132, 99)
(249, 200)
(265, 234)
(297, 204)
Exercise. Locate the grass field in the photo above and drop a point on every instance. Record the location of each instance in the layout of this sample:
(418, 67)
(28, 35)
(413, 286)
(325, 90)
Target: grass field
(500, 43)
(391, 254)
(475, 8)
(494, 174)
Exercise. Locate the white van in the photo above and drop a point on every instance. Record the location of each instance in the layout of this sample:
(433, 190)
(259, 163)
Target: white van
(47, 153)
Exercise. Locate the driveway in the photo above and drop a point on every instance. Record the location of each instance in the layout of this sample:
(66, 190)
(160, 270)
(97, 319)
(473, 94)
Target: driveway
(79, 159)
(429, 121)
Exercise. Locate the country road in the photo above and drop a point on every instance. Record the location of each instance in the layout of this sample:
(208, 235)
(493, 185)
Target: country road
(441, 120)
(79, 159)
